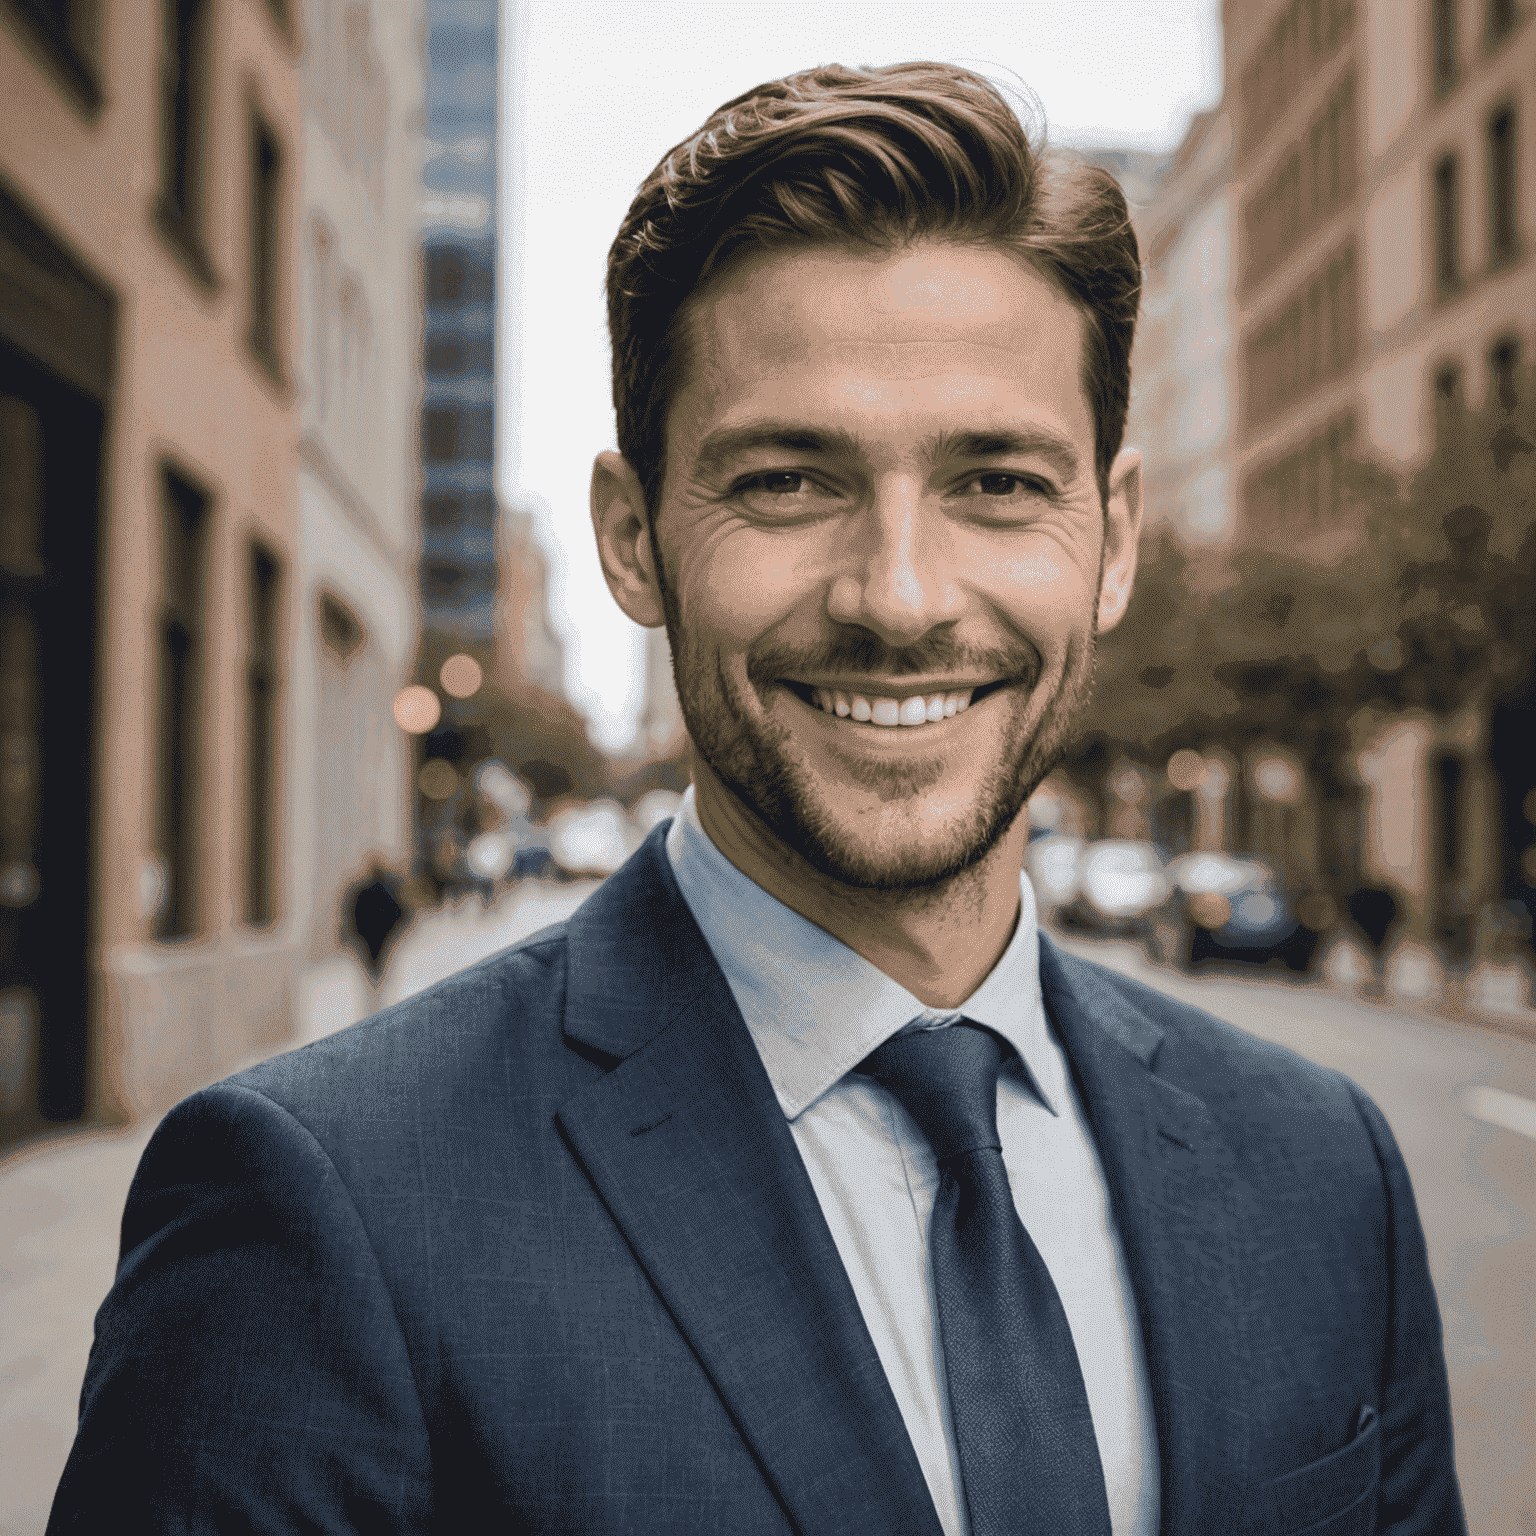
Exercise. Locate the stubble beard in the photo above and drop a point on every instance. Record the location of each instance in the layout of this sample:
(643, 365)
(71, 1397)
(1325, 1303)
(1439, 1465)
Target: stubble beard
(754, 759)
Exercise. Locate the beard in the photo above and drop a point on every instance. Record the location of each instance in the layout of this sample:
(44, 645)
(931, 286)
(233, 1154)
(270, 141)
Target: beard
(755, 757)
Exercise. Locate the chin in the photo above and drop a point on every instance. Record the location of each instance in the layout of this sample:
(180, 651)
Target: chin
(885, 838)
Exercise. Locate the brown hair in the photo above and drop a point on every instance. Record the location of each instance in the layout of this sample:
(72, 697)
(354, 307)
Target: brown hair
(877, 157)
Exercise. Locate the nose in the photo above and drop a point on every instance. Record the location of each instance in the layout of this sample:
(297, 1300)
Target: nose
(898, 581)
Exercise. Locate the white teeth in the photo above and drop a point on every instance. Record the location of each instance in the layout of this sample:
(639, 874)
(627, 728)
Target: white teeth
(918, 710)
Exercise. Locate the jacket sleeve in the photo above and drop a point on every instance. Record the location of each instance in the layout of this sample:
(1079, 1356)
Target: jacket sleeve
(1419, 1495)
(248, 1372)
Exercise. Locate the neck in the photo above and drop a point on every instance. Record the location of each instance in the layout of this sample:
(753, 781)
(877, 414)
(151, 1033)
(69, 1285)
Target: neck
(940, 942)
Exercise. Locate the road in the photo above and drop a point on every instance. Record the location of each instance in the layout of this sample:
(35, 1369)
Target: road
(1475, 1182)
(1451, 1093)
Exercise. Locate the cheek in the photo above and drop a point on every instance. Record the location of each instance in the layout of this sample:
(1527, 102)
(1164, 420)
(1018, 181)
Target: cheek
(744, 586)
(1037, 588)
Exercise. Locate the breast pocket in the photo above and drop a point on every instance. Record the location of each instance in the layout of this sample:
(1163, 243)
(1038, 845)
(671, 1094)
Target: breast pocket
(1332, 1497)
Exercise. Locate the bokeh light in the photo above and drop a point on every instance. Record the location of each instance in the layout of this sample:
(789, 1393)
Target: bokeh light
(461, 676)
(1186, 770)
(438, 778)
(417, 710)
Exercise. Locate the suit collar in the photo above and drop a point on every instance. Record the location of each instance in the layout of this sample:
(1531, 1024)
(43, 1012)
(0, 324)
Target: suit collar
(813, 1006)
(691, 1153)
(1184, 1213)
(689, 1148)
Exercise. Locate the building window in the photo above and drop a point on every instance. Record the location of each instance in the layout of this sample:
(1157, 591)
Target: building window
(1305, 489)
(261, 681)
(445, 277)
(1502, 15)
(441, 435)
(340, 629)
(1448, 398)
(442, 582)
(1504, 371)
(1447, 224)
(185, 516)
(1310, 339)
(444, 511)
(183, 113)
(1444, 13)
(1503, 189)
(445, 358)
(266, 192)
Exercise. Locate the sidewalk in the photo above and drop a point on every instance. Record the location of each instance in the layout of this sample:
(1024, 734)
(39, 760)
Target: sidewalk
(61, 1201)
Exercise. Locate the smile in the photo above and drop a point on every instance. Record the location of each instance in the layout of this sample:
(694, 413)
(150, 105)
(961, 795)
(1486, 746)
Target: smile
(890, 712)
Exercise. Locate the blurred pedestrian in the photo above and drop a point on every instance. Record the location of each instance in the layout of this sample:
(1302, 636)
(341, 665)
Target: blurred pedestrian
(1373, 910)
(374, 912)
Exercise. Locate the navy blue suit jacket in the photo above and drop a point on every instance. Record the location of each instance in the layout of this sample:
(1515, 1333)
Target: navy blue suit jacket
(535, 1251)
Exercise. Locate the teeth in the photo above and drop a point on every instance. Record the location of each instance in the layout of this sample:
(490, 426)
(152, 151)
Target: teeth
(918, 710)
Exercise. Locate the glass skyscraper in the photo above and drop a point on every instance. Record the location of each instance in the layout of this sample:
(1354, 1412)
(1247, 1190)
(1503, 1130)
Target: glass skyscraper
(458, 568)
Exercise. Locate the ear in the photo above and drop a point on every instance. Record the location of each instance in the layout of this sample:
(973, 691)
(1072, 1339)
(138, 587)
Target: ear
(1122, 533)
(623, 532)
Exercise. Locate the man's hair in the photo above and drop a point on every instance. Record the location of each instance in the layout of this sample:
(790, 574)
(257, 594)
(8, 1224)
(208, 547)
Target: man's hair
(863, 157)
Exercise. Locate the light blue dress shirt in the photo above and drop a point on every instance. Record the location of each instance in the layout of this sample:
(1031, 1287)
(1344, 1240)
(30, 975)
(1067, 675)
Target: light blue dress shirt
(815, 1009)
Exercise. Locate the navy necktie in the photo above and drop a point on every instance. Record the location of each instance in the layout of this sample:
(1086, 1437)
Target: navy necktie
(1028, 1456)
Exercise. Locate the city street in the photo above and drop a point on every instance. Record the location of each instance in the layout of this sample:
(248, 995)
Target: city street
(1460, 1098)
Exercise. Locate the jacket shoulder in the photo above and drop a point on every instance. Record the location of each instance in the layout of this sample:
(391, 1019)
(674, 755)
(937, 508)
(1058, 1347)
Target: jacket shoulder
(498, 1020)
(1257, 1086)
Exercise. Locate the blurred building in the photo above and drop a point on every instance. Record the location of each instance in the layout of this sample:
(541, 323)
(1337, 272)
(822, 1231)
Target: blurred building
(534, 650)
(660, 731)
(358, 374)
(150, 160)
(1183, 393)
(458, 223)
(1385, 156)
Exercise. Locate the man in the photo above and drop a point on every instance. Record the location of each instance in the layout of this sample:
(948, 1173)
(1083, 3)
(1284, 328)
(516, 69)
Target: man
(797, 1183)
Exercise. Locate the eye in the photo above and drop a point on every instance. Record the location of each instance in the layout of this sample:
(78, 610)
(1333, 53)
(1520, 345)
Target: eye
(782, 495)
(1001, 483)
(778, 482)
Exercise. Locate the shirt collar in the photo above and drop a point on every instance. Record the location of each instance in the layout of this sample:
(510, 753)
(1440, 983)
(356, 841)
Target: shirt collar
(814, 1008)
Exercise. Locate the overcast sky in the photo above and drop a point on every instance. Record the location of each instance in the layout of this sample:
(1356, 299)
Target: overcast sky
(594, 93)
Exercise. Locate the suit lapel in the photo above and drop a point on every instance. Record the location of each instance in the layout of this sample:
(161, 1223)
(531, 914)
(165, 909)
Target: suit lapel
(690, 1151)
(1182, 1210)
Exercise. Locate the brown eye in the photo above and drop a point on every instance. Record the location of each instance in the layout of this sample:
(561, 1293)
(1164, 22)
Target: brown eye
(783, 483)
(998, 485)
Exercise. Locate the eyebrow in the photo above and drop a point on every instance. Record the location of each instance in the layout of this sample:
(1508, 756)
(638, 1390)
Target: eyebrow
(1004, 442)
(718, 450)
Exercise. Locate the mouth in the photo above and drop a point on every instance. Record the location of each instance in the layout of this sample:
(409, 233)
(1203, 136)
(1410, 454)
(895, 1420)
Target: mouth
(893, 710)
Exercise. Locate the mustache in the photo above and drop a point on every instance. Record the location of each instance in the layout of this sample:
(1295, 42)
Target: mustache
(864, 651)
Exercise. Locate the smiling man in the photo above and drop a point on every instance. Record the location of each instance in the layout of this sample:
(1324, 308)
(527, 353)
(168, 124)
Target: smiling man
(799, 1183)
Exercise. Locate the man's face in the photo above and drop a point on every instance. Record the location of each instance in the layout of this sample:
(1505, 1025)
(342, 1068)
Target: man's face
(880, 537)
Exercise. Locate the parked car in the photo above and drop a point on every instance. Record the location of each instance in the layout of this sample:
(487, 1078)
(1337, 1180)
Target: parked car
(1119, 881)
(1052, 862)
(1224, 907)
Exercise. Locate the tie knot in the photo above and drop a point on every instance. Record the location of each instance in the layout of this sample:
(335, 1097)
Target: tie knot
(946, 1079)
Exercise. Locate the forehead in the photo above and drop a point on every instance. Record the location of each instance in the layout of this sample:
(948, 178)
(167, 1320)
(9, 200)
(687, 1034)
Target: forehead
(933, 329)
